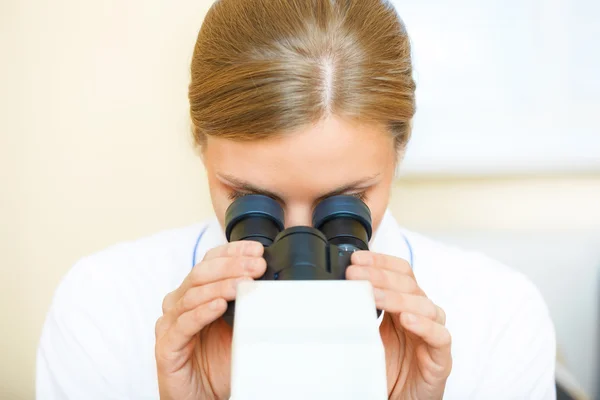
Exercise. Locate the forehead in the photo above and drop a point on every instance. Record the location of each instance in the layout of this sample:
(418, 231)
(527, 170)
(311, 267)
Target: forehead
(331, 152)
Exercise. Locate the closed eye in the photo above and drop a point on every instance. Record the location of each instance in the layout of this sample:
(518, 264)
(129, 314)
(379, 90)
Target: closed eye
(359, 195)
(234, 195)
(237, 194)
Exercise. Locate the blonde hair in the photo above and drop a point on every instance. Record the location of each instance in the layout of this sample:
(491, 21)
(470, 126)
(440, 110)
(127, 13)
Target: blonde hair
(265, 67)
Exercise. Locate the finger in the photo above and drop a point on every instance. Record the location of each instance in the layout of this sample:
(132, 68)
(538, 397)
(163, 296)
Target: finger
(218, 269)
(195, 296)
(441, 315)
(383, 261)
(183, 329)
(434, 370)
(396, 303)
(435, 335)
(170, 300)
(214, 270)
(248, 248)
(161, 327)
(384, 279)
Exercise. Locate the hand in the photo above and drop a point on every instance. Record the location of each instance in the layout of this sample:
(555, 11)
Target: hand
(193, 344)
(416, 341)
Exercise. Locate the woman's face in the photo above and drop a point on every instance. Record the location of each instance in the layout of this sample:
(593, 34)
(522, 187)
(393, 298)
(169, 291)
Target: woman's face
(301, 168)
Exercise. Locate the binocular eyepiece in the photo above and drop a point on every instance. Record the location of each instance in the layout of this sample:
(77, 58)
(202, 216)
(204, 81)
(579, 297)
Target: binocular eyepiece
(341, 225)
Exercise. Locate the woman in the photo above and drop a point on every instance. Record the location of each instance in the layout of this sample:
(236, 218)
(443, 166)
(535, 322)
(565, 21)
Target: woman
(297, 100)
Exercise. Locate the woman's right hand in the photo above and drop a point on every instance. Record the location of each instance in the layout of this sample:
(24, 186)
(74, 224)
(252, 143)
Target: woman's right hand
(193, 342)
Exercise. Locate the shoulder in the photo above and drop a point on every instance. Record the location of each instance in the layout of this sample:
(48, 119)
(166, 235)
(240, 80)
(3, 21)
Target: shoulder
(456, 278)
(100, 326)
(131, 274)
(465, 279)
(157, 259)
(503, 335)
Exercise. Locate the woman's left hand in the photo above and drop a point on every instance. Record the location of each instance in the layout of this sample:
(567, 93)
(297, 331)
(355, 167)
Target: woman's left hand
(416, 341)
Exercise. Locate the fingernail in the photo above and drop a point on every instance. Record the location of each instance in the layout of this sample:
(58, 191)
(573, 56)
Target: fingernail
(379, 294)
(360, 272)
(239, 280)
(252, 264)
(214, 304)
(410, 318)
(362, 258)
(253, 248)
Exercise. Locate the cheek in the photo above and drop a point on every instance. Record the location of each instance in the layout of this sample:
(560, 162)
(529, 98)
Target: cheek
(220, 200)
(378, 202)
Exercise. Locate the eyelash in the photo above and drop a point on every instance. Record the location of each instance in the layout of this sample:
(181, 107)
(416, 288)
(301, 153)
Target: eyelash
(237, 195)
(362, 196)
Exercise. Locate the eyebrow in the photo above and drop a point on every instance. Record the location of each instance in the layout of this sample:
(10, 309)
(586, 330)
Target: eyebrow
(249, 187)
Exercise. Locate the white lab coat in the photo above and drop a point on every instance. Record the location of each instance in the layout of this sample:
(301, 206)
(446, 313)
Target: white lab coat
(98, 338)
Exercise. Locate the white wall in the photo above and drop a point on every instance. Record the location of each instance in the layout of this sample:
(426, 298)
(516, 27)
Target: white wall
(516, 78)
(95, 149)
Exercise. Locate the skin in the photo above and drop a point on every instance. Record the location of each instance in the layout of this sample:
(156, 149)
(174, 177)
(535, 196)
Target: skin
(335, 156)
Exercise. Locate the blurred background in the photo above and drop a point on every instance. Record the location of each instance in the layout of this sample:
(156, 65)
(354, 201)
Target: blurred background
(95, 149)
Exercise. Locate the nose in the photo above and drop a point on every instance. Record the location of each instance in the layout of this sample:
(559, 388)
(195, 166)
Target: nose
(298, 215)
